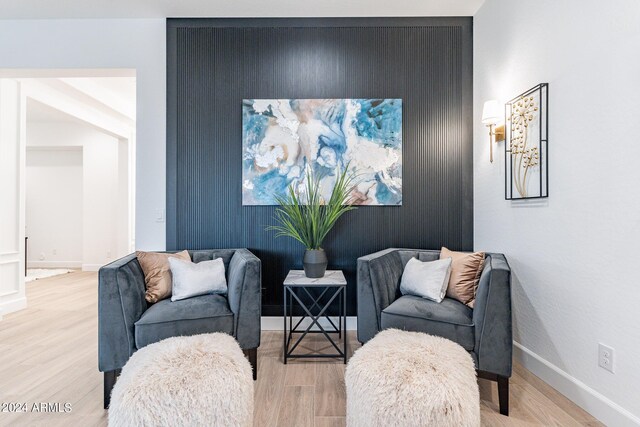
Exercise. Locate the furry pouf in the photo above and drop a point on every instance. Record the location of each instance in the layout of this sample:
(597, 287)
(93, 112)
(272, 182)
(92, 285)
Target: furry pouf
(411, 379)
(201, 380)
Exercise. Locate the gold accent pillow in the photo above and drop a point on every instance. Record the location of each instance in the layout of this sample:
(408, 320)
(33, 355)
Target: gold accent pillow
(465, 274)
(157, 274)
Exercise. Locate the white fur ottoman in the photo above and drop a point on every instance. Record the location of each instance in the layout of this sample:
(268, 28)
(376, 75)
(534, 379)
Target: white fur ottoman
(201, 380)
(407, 379)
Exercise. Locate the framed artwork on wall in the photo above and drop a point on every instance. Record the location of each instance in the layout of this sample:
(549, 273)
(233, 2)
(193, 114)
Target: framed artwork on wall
(527, 142)
(282, 139)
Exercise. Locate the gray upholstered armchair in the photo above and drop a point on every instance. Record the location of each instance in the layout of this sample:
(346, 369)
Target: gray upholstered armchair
(484, 331)
(126, 322)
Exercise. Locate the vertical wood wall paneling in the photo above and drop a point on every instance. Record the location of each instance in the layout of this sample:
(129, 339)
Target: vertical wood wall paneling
(214, 63)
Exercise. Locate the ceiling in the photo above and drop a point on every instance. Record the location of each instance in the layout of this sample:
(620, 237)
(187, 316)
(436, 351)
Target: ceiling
(39, 112)
(118, 93)
(110, 95)
(48, 9)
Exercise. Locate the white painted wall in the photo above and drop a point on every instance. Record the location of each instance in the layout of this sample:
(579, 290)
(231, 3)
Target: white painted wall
(12, 165)
(100, 224)
(123, 189)
(102, 228)
(54, 206)
(574, 256)
(109, 43)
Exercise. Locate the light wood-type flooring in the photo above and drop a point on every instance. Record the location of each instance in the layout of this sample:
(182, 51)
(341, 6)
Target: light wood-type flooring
(49, 353)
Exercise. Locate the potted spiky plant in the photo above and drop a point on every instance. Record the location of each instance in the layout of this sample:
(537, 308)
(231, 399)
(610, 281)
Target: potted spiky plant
(308, 217)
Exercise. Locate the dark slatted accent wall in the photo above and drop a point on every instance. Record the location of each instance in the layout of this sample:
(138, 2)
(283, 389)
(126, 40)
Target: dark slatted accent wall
(214, 64)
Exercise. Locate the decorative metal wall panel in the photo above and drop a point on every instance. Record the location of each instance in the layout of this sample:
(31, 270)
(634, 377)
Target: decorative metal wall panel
(527, 145)
(213, 64)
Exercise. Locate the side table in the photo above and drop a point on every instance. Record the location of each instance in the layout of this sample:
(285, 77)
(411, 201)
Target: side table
(331, 287)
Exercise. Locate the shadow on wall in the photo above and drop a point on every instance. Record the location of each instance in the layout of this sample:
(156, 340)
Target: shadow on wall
(533, 203)
(525, 313)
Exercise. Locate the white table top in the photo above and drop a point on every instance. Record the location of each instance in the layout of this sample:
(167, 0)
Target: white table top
(331, 277)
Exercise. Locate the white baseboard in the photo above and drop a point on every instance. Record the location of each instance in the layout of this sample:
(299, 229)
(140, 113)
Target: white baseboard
(64, 264)
(276, 323)
(598, 405)
(13, 305)
(54, 264)
(91, 267)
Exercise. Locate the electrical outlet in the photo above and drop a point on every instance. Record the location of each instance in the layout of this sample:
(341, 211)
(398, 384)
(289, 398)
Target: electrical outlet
(54, 251)
(42, 256)
(108, 254)
(605, 357)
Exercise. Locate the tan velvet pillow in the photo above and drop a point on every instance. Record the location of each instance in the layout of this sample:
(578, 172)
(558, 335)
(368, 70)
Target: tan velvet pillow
(465, 274)
(157, 274)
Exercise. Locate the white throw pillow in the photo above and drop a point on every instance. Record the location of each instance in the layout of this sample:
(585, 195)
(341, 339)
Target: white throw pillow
(425, 279)
(192, 279)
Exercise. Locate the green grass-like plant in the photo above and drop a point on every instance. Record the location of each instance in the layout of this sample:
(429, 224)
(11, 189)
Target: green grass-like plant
(309, 218)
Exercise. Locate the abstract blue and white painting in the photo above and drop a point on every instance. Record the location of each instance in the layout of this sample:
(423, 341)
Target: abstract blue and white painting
(284, 138)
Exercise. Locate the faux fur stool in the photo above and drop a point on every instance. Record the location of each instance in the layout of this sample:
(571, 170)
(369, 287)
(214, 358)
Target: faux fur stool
(201, 380)
(409, 379)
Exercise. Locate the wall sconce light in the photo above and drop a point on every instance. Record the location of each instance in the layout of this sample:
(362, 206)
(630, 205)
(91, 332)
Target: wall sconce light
(491, 115)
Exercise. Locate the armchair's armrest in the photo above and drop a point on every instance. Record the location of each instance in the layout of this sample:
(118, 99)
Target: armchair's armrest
(492, 317)
(245, 297)
(379, 277)
(120, 304)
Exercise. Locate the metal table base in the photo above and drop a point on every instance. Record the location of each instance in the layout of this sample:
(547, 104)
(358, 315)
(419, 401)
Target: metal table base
(339, 292)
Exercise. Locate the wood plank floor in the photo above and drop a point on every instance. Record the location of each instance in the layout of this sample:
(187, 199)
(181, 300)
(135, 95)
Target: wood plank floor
(48, 353)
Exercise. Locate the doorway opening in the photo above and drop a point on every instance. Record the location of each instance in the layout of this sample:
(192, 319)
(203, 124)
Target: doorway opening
(67, 149)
